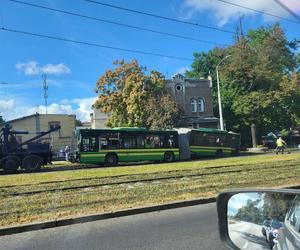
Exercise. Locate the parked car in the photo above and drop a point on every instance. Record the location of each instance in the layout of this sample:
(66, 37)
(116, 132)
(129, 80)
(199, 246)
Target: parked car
(272, 231)
(289, 235)
(269, 140)
(265, 225)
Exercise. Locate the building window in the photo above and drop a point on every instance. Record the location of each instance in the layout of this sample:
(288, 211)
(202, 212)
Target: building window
(193, 105)
(53, 125)
(201, 104)
(178, 87)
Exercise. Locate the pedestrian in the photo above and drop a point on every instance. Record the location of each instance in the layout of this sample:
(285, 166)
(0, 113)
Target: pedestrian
(67, 153)
(280, 145)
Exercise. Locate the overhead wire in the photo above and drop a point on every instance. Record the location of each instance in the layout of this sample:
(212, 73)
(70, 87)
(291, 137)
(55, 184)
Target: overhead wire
(116, 23)
(160, 17)
(285, 7)
(264, 12)
(4, 29)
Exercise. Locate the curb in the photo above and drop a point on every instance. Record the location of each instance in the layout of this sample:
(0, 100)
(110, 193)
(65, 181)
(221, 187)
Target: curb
(95, 217)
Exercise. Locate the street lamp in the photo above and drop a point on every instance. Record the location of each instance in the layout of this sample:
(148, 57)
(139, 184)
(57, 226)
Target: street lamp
(219, 94)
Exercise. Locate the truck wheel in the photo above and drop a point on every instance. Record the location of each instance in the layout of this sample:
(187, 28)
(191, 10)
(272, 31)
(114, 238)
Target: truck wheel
(169, 157)
(32, 163)
(111, 160)
(11, 164)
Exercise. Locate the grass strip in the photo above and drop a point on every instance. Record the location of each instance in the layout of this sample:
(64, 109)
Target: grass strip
(86, 194)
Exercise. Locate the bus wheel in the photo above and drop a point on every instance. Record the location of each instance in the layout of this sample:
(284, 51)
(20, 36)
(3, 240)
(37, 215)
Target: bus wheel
(169, 157)
(32, 163)
(111, 160)
(219, 153)
(11, 164)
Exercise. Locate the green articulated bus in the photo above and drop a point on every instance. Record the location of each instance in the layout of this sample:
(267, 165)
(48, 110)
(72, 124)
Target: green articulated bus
(213, 142)
(111, 146)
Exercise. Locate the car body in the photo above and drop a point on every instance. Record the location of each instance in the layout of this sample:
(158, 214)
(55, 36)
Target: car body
(265, 225)
(269, 142)
(289, 235)
(272, 231)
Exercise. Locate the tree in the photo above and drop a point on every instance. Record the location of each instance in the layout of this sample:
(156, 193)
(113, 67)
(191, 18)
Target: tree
(249, 212)
(78, 123)
(135, 97)
(1, 119)
(162, 112)
(257, 82)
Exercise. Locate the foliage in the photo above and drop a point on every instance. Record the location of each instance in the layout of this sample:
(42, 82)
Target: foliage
(259, 81)
(162, 112)
(133, 96)
(267, 206)
(78, 123)
(249, 212)
(1, 119)
(275, 206)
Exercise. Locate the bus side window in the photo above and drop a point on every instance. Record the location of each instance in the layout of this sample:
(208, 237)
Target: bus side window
(152, 141)
(103, 143)
(89, 144)
(85, 144)
(211, 141)
(156, 141)
(140, 141)
(164, 141)
(171, 141)
(148, 142)
(201, 139)
(128, 142)
(113, 143)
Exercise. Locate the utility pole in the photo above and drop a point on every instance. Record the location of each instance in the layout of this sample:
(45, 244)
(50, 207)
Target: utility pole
(219, 93)
(45, 86)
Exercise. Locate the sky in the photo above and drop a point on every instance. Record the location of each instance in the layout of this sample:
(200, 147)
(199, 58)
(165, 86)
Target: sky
(73, 69)
(239, 200)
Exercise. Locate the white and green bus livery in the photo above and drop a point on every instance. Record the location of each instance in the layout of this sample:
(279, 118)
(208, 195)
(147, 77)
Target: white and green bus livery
(111, 146)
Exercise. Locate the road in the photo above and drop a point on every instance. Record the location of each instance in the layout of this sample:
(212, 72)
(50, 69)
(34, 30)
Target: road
(183, 228)
(247, 235)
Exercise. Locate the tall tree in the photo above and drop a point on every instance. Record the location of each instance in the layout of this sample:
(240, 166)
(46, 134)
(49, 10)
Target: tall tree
(1, 119)
(78, 123)
(257, 82)
(135, 97)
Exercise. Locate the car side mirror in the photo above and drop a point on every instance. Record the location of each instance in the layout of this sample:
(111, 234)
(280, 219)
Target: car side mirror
(241, 214)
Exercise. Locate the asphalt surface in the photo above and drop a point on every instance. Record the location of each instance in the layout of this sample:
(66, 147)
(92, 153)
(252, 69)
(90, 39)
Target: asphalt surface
(183, 228)
(246, 235)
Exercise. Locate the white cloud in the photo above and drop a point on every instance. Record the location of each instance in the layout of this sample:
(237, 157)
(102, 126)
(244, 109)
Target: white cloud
(6, 105)
(182, 70)
(57, 69)
(224, 13)
(81, 107)
(53, 108)
(84, 107)
(29, 68)
(33, 68)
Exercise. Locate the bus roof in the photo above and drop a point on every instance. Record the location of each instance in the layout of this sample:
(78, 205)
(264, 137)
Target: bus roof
(135, 129)
(213, 130)
(141, 129)
(127, 129)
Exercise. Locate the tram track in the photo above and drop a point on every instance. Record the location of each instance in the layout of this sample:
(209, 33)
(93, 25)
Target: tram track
(142, 180)
(139, 174)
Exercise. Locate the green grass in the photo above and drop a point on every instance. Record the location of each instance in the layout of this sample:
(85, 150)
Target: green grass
(52, 195)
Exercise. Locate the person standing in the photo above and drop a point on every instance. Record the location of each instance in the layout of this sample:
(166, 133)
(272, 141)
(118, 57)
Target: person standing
(67, 153)
(280, 145)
